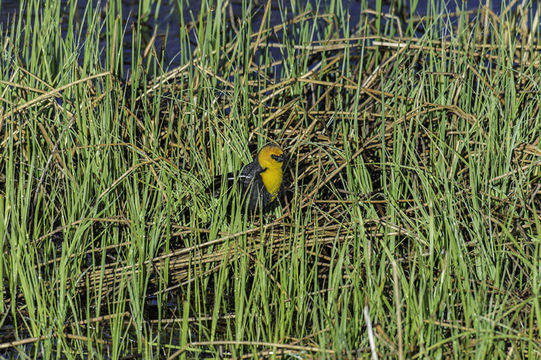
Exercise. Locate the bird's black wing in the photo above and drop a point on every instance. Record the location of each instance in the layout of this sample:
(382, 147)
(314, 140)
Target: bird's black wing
(253, 189)
(249, 173)
(248, 182)
(244, 178)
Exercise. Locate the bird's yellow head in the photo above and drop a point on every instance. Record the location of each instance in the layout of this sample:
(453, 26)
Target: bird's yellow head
(271, 158)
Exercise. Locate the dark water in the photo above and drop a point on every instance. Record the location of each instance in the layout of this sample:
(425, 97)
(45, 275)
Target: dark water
(168, 19)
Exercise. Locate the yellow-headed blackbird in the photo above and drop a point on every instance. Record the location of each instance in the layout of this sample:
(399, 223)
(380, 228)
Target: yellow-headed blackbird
(259, 182)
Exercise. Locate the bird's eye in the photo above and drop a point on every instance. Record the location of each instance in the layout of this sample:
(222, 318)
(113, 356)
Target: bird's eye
(279, 158)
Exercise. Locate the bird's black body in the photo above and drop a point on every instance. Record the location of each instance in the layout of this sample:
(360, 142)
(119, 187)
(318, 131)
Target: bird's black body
(254, 193)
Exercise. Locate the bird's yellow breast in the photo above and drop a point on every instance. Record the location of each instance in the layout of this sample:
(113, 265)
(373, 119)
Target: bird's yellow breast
(272, 168)
(272, 179)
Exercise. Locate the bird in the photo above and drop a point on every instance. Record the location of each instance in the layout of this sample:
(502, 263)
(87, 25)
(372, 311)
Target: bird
(259, 183)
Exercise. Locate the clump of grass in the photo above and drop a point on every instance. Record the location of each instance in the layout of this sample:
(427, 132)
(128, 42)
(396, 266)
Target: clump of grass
(413, 185)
